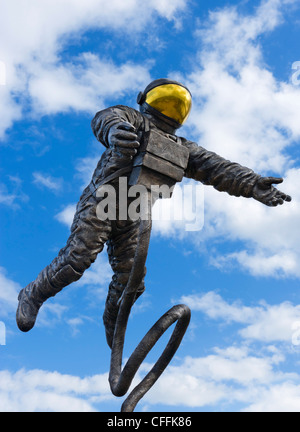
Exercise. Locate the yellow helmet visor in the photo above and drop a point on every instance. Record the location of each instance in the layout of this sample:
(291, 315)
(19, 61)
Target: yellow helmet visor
(172, 100)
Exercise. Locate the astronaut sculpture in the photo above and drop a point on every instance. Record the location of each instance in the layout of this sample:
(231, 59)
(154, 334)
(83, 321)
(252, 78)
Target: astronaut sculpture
(142, 147)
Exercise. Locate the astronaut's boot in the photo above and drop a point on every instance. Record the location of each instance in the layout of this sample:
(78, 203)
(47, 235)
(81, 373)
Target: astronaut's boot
(37, 292)
(112, 306)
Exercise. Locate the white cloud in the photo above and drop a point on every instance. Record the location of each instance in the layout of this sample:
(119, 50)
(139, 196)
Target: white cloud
(86, 166)
(75, 323)
(274, 323)
(10, 111)
(215, 307)
(2, 74)
(231, 377)
(35, 33)
(264, 322)
(9, 291)
(11, 194)
(37, 390)
(51, 313)
(46, 181)
(270, 236)
(260, 263)
(283, 397)
(6, 198)
(225, 378)
(98, 275)
(66, 215)
(240, 46)
(82, 85)
(167, 9)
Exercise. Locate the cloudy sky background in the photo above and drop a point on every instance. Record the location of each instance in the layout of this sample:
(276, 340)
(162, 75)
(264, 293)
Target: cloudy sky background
(60, 62)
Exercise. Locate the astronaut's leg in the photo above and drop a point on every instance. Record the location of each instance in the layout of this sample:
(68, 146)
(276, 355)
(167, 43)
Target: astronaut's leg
(87, 239)
(121, 249)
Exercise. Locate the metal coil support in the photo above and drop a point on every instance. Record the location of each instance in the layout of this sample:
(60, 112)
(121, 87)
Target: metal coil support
(120, 380)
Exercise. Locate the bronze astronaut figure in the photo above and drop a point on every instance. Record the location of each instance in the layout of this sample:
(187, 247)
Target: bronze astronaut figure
(164, 107)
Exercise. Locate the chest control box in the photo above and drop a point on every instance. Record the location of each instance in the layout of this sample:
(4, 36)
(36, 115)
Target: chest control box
(160, 161)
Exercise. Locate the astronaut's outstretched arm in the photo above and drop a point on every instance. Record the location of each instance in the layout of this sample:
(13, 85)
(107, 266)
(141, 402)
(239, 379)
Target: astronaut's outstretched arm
(233, 178)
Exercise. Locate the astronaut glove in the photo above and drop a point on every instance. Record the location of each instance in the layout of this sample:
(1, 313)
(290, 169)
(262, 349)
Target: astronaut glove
(123, 138)
(266, 193)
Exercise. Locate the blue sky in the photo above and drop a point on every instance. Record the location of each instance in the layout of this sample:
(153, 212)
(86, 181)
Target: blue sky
(61, 62)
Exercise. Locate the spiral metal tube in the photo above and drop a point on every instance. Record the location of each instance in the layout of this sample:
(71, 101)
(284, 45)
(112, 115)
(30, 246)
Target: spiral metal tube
(120, 380)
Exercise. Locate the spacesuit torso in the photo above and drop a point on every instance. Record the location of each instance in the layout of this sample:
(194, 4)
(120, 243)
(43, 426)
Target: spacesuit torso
(203, 165)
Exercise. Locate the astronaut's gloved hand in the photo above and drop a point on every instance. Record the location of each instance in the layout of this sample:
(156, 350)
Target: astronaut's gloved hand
(123, 138)
(266, 193)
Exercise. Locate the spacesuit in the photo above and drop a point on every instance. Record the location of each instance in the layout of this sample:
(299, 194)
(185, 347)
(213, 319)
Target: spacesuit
(164, 107)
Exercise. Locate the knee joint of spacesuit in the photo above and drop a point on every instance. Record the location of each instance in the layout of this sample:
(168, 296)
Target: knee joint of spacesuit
(65, 276)
(120, 281)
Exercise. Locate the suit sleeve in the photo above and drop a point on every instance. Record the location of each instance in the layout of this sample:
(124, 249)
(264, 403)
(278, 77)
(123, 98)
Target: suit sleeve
(106, 118)
(224, 175)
